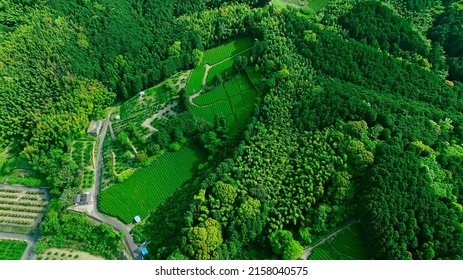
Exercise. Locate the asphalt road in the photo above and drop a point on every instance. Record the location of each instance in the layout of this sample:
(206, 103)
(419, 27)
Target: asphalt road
(93, 208)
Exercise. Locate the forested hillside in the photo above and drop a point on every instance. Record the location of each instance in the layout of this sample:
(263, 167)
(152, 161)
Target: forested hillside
(345, 130)
(358, 116)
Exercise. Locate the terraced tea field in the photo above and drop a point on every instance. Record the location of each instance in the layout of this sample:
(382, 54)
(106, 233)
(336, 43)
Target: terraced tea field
(144, 190)
(234, 100)
(12, 249)
(21, 209)
(220, 53)
(349, 244)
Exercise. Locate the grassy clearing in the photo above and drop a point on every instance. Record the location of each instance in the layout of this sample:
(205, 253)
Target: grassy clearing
(143, 191)
(12, 249)
(215, 55)
(225, 69)
(346, 245)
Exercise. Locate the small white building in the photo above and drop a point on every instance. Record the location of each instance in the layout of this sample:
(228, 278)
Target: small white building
(142, 93)
(137, 219)
(117, 118)
(94, 128)
(83, 199)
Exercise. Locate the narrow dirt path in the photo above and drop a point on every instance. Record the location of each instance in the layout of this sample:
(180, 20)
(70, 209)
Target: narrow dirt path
(158, 115)
(208, 67)
(308, 250)
(206, 73)
(228, 58)
(93, 155)
(114, 164)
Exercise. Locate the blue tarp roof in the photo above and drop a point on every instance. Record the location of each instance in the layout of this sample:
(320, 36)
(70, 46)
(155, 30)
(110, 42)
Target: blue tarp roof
(144, 251)
(137, 219)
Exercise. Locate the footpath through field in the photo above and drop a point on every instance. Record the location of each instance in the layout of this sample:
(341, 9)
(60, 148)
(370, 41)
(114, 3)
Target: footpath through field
(30, 239)
(308, 250)
(208, 67)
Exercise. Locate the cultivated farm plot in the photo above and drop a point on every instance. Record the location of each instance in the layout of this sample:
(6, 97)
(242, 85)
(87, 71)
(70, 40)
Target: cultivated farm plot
(216, 110)
(144, 190)
(346, 245)
(216, 55)
(196, 80)
(225, 69)
(12, 249)
(234, 100)
(82, 153)
(66, 254)
(21, 209)
(215, 95)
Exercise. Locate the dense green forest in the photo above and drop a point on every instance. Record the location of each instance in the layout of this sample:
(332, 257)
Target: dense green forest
(359, 117)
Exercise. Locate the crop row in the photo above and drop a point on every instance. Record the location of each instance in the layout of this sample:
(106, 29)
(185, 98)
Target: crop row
(36, 193)
(34, 198)
(16, 222)
(9, 191)
(347, 245)
(8, 196)
(12, 249)
(350, 242)
(213, 96)
(21, 209)
(21, 203)
(143, 191)
(215, 55)
(322, 253)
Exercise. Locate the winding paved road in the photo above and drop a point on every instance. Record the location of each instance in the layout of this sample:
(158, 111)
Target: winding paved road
(94, 213)
(92, 209)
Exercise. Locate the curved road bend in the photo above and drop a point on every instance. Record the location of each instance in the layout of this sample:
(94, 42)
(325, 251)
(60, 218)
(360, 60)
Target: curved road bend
(93, 208)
